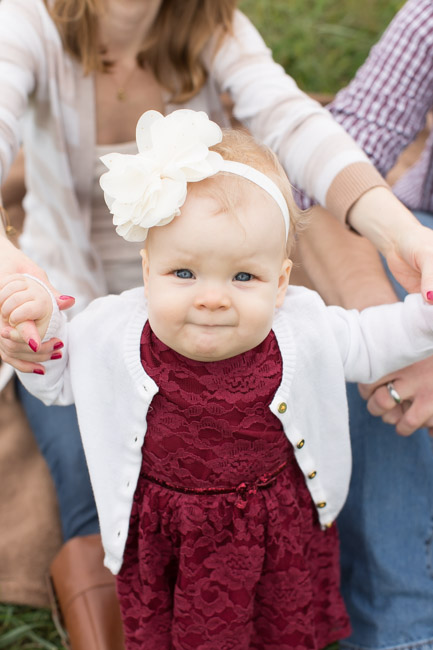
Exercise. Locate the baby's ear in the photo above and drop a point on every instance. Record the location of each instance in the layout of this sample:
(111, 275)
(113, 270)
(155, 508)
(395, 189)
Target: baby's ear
(283, 281)
(145, 264)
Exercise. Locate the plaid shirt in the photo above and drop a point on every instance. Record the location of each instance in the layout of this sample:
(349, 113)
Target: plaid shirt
(385, 106)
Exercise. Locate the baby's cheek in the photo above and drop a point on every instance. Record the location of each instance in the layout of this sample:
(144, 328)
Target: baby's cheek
(261, 319)
(165, 310)
(161, 314)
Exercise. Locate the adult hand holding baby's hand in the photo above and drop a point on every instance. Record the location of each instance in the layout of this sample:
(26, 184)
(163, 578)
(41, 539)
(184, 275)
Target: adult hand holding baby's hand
(411, 260)
(405, 243)
(13, 261)
(25, 312)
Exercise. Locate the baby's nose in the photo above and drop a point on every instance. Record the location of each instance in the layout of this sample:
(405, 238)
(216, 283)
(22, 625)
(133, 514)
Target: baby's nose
(213, 298)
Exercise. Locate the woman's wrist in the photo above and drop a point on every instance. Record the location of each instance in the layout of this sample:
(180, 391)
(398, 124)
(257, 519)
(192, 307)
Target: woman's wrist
(406, 244)
(381, 217)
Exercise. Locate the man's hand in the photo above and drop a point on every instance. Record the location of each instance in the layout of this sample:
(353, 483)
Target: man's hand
(414, 385)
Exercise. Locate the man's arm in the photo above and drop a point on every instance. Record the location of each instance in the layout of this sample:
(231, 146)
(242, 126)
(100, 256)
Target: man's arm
(385, 105)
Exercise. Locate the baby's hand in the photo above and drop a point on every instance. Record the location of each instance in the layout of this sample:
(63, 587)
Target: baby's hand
(23, 299)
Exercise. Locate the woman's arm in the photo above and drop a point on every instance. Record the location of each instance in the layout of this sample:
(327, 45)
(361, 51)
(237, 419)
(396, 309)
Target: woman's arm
(317, 154)
(406, 245)
(20, 49)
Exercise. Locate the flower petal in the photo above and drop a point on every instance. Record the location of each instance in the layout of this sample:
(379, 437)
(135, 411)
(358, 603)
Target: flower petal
(143, 131)
(125, 186)
(131, 232)
(148, 189)
(205, 168)
(180, 132)
(171, 197)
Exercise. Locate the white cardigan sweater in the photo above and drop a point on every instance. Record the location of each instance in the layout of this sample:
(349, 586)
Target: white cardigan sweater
(321, 348)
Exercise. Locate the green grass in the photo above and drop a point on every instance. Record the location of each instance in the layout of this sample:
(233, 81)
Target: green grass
(25, 628)
(321, 43)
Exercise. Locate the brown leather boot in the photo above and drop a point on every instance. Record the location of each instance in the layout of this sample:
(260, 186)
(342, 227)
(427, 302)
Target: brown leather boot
(86, 592)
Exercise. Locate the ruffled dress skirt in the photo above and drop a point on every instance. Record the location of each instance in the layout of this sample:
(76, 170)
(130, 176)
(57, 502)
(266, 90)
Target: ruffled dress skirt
(224, 549)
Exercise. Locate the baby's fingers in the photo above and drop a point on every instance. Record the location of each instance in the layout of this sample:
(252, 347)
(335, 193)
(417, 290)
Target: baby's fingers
(20, 307)
(13, 292)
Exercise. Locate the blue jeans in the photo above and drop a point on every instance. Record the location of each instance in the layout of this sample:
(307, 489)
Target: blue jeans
(58, 437)
(386, 531)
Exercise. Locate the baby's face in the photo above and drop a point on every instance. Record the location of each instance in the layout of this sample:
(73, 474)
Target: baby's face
(213, 279)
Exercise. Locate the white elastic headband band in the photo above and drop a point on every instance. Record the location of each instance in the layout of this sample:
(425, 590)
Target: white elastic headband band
(262, 181)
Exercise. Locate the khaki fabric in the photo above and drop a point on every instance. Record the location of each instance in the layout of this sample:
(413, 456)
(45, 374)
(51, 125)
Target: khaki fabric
(29, 523)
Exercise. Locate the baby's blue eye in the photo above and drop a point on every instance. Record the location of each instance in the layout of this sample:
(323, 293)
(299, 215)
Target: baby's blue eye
(243, 277)
(184, 274)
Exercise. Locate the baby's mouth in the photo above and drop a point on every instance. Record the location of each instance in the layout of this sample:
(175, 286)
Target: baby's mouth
(212, 325)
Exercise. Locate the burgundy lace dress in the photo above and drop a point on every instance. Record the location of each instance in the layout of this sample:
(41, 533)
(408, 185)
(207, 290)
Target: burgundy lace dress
(224, 549)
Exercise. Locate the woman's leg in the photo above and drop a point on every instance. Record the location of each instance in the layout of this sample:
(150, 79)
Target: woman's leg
(58, 437)
(386, 532)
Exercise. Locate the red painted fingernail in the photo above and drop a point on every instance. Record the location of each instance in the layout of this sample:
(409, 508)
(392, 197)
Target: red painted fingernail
(38, 371)
(56, 355)
(429, 295)
(58, 345)
(66, 298)
(33, 345)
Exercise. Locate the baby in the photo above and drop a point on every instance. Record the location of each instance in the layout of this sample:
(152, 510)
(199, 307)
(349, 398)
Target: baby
(212, 403)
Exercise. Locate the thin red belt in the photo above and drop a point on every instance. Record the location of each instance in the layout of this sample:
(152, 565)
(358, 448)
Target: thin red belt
(243, 490)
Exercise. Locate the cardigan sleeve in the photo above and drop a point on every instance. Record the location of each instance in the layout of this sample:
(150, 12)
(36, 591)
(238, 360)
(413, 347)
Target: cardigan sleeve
(318, 156)
(385, 105)
(20, 59)
(382, 339)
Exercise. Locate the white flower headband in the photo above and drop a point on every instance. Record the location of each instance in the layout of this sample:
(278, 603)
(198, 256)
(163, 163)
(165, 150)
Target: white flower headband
(148, 188)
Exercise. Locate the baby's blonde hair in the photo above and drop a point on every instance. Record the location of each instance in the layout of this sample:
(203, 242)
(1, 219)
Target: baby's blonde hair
(238, 145)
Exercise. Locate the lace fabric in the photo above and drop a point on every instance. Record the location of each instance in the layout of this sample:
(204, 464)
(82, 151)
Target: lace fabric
(199, 572)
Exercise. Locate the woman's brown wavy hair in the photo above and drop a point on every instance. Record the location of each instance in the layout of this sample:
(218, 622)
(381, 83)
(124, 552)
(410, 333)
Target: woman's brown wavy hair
(172, 49)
